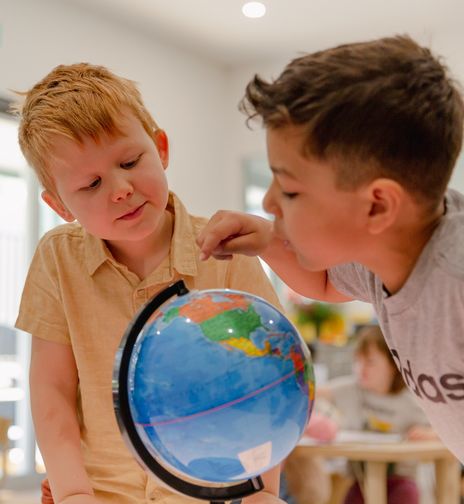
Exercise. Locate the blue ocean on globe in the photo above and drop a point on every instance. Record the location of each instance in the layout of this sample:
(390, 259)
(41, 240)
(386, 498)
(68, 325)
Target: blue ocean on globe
(221, 386)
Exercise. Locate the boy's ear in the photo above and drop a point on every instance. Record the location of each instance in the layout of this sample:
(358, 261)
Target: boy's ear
(55, 203)
(162, 144)
(385, 197)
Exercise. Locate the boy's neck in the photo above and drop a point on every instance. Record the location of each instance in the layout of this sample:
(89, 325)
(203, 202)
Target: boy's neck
(143, 257)
(395, 259)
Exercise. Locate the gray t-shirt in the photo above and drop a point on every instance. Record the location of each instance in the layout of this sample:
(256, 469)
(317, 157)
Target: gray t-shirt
(423, 322)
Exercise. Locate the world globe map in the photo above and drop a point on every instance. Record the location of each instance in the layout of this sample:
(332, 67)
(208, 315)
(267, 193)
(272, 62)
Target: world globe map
(220, 386)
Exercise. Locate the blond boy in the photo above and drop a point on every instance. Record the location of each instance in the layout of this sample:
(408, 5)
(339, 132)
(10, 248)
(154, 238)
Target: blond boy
(362, 140)
(101, 160)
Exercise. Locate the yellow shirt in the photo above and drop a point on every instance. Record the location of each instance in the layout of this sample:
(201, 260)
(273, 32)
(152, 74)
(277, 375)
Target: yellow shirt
(77, 294)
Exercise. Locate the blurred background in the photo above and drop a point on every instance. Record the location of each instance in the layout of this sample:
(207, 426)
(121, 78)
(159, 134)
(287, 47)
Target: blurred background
(192, 60)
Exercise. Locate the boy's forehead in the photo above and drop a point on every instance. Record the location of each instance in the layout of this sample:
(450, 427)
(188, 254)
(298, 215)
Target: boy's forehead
(284, 142)
(66, 154)
(287, 152)
(64, 149)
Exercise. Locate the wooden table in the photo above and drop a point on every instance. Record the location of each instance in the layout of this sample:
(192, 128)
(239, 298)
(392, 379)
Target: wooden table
(378, 455)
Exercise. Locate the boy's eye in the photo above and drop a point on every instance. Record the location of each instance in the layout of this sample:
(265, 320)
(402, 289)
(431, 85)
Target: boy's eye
(94, 184)
(289, 195)
(130, 164)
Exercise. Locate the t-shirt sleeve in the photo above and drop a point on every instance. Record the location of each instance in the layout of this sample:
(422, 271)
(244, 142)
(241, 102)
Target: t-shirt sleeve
(41, 310)
(247, 274)
(354, 280)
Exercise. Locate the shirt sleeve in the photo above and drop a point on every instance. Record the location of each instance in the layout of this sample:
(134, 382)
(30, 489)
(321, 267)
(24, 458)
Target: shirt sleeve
(354, 280)
(41, 310)
(247, 274)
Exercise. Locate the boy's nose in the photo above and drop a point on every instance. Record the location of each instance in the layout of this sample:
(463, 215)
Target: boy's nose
(269, 202)
(122, 190)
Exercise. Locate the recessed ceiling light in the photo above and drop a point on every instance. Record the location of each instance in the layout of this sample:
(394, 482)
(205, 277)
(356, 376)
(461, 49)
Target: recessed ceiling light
(254, 9)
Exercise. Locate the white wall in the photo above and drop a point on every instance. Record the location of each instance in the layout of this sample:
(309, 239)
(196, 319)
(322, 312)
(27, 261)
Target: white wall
(186, 94)
(194, 99)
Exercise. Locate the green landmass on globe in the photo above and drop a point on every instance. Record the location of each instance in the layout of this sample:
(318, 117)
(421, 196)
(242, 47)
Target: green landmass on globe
(212, 316)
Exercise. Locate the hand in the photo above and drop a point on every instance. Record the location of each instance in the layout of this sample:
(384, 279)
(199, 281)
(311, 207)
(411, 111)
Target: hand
(228, 233)
(421, 433)
(321, 428)
(47, 497)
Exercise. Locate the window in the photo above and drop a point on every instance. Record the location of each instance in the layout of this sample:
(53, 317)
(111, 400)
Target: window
(24, 219)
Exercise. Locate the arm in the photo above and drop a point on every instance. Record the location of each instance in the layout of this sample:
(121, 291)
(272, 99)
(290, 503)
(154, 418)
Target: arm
(53, 385)
(229, 233)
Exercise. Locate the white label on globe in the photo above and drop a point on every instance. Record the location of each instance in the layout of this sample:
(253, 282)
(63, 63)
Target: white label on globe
(257, 458)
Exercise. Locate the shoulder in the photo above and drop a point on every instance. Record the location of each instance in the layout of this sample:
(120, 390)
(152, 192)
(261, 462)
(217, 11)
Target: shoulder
(63, 242)
(197, 223)
(62, 233)
(184, 220)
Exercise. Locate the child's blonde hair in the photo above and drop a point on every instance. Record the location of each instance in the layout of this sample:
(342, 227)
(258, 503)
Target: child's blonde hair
(75, 101)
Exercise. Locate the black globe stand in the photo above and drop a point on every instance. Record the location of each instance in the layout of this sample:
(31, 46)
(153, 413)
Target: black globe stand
(214, 494)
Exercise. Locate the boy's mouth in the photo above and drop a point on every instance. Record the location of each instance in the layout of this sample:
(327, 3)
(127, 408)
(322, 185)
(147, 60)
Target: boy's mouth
(133, 213)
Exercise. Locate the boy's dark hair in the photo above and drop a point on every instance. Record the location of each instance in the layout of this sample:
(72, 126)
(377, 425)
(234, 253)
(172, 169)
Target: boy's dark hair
(384, 108)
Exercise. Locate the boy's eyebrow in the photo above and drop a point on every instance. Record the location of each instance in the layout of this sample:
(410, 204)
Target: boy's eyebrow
(281, 171)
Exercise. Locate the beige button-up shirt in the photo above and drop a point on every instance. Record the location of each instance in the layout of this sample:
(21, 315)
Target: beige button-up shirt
(77, 294)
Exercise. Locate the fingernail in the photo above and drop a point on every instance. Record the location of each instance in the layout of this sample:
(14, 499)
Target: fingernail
(202, 256)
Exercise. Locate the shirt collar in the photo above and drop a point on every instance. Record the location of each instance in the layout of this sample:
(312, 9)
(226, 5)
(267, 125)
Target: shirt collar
(183, 254)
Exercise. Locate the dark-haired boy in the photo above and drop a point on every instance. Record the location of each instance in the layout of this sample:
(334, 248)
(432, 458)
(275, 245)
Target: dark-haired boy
(362, 140)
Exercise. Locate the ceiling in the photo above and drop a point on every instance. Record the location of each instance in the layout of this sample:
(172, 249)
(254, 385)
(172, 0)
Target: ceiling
(218, 30)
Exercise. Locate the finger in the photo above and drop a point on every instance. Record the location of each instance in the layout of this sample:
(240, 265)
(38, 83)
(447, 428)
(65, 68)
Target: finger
(213, 224)
(216, 236)
(241, 244)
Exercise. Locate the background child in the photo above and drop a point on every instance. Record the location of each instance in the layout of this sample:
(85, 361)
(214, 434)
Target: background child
(362, 140)
(101, 160)
(376, 399)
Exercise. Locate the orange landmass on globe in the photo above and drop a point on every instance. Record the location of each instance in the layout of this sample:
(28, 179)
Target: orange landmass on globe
(246, 346)
(205, 308)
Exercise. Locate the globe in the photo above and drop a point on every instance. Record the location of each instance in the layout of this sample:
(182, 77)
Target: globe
(217, 385)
